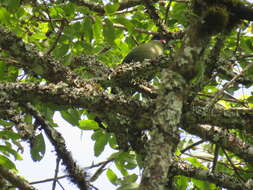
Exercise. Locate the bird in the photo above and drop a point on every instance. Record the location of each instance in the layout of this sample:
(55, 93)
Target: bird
(149, 50)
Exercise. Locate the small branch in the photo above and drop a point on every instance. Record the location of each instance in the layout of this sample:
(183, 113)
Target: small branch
(167, 12)
(49, 179)
(238, 36)
(99, 164)
(220, 93)
(56, 173)
(154, 15)
(216, 156)
(191, 146)
(77, 175)
(218, 178)
(140, 30)
(227, 140)
(229, 98)
(100, 170)
(233, 166)
(59, 33)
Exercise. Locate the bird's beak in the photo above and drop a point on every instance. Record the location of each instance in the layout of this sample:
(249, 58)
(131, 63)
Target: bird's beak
(163, 41)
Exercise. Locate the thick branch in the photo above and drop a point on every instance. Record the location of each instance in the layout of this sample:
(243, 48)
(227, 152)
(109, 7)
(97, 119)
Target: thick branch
(9, 112)
(29, 59)
(164, 135)
(61, 94)
(15, 180)
(218, 178)
(226, 140)
(226, 119)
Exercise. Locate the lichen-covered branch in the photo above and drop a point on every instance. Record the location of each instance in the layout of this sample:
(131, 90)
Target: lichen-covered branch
(8, 111)
(227, 140)
(77, 174)
(218, 178)
(240, 119)
(61, 94)
(164, 135)
(14, 179)
(45, 66)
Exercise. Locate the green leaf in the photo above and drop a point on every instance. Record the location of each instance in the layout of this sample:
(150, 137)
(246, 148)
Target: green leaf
(111, 8)
(6, 162)
(182, 182)
(9, 135)
(87, 29)
(96, 134)
(88, 125)
(121, 167)
(203, 184)
(38, 148)
(13, 5)
(112, 177)
(5, 123)
(109, 32)
(4, 16)
(195, 162)
(131, 186)
(61, 50)
(250, 99)
(97, 28)
(113, 142)
(100, 143)
(39, 36)
(178, 12)
(127, 23)
(28, 119)
(130, 178)
(69, 9)
(38, 69)
(72, 116)
(11, 151)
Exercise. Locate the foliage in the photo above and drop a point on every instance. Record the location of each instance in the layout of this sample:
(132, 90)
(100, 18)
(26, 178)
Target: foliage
(65, 56)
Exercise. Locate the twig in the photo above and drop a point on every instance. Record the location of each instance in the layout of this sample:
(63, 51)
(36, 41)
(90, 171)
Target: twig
(99, 164)
(233, 166)
(237, 40)
(191, 146)
(59, 33)
(56, 173)
(49, 179)
(230, 99)
(216, 156)
(58, 182)
(221, 92)
(167, 12)
(154, 15)
(99, 171)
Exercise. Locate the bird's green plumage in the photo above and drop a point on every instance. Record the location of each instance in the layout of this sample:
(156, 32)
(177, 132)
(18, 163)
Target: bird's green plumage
(148, 50)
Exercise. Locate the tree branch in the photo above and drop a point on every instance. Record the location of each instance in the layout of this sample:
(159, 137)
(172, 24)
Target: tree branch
(77, 175)
(15, 180)
(218, 178)
(226, 140)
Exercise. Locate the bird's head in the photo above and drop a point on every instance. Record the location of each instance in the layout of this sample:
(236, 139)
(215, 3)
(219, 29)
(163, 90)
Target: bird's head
(159, 38)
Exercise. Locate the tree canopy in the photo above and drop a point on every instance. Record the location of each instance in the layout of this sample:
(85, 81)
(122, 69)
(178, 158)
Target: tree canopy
(185, 118)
